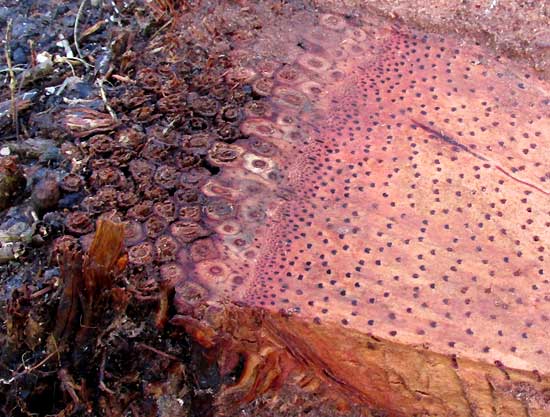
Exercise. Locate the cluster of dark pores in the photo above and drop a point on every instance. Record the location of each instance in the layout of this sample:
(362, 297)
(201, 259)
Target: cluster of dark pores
(180, 121)
(279, 126)
(411, 78)
(148, 173)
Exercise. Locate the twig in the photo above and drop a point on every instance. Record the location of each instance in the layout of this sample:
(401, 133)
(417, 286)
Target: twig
(104, 98)
(102, 385)
(41, 292)
(56, 350)
(134, 410)
(28, 369)
(33, 53)
(39, 364)
(17, 68)
(158, 352)
(13, 82)
(68, 385)
(123, 79)
(161, 28)
(93, 29)
(75, 29)
(71, 61)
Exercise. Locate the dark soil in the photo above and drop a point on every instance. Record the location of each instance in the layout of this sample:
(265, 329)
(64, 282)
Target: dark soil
(84, 113)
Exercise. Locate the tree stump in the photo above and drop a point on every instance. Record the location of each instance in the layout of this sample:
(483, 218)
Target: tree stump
(381, 235)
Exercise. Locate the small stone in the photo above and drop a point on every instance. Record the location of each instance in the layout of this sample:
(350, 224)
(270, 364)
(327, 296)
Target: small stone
(70, 200)
(68, 20)
(19, 56)
(23, 27)
(12, 181)
(45, 194)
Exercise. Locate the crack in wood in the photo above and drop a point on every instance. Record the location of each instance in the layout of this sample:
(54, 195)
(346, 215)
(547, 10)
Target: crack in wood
(472, 411)
(447, 139)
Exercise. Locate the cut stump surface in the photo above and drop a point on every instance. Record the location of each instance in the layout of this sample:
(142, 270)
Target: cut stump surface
(386, 223)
